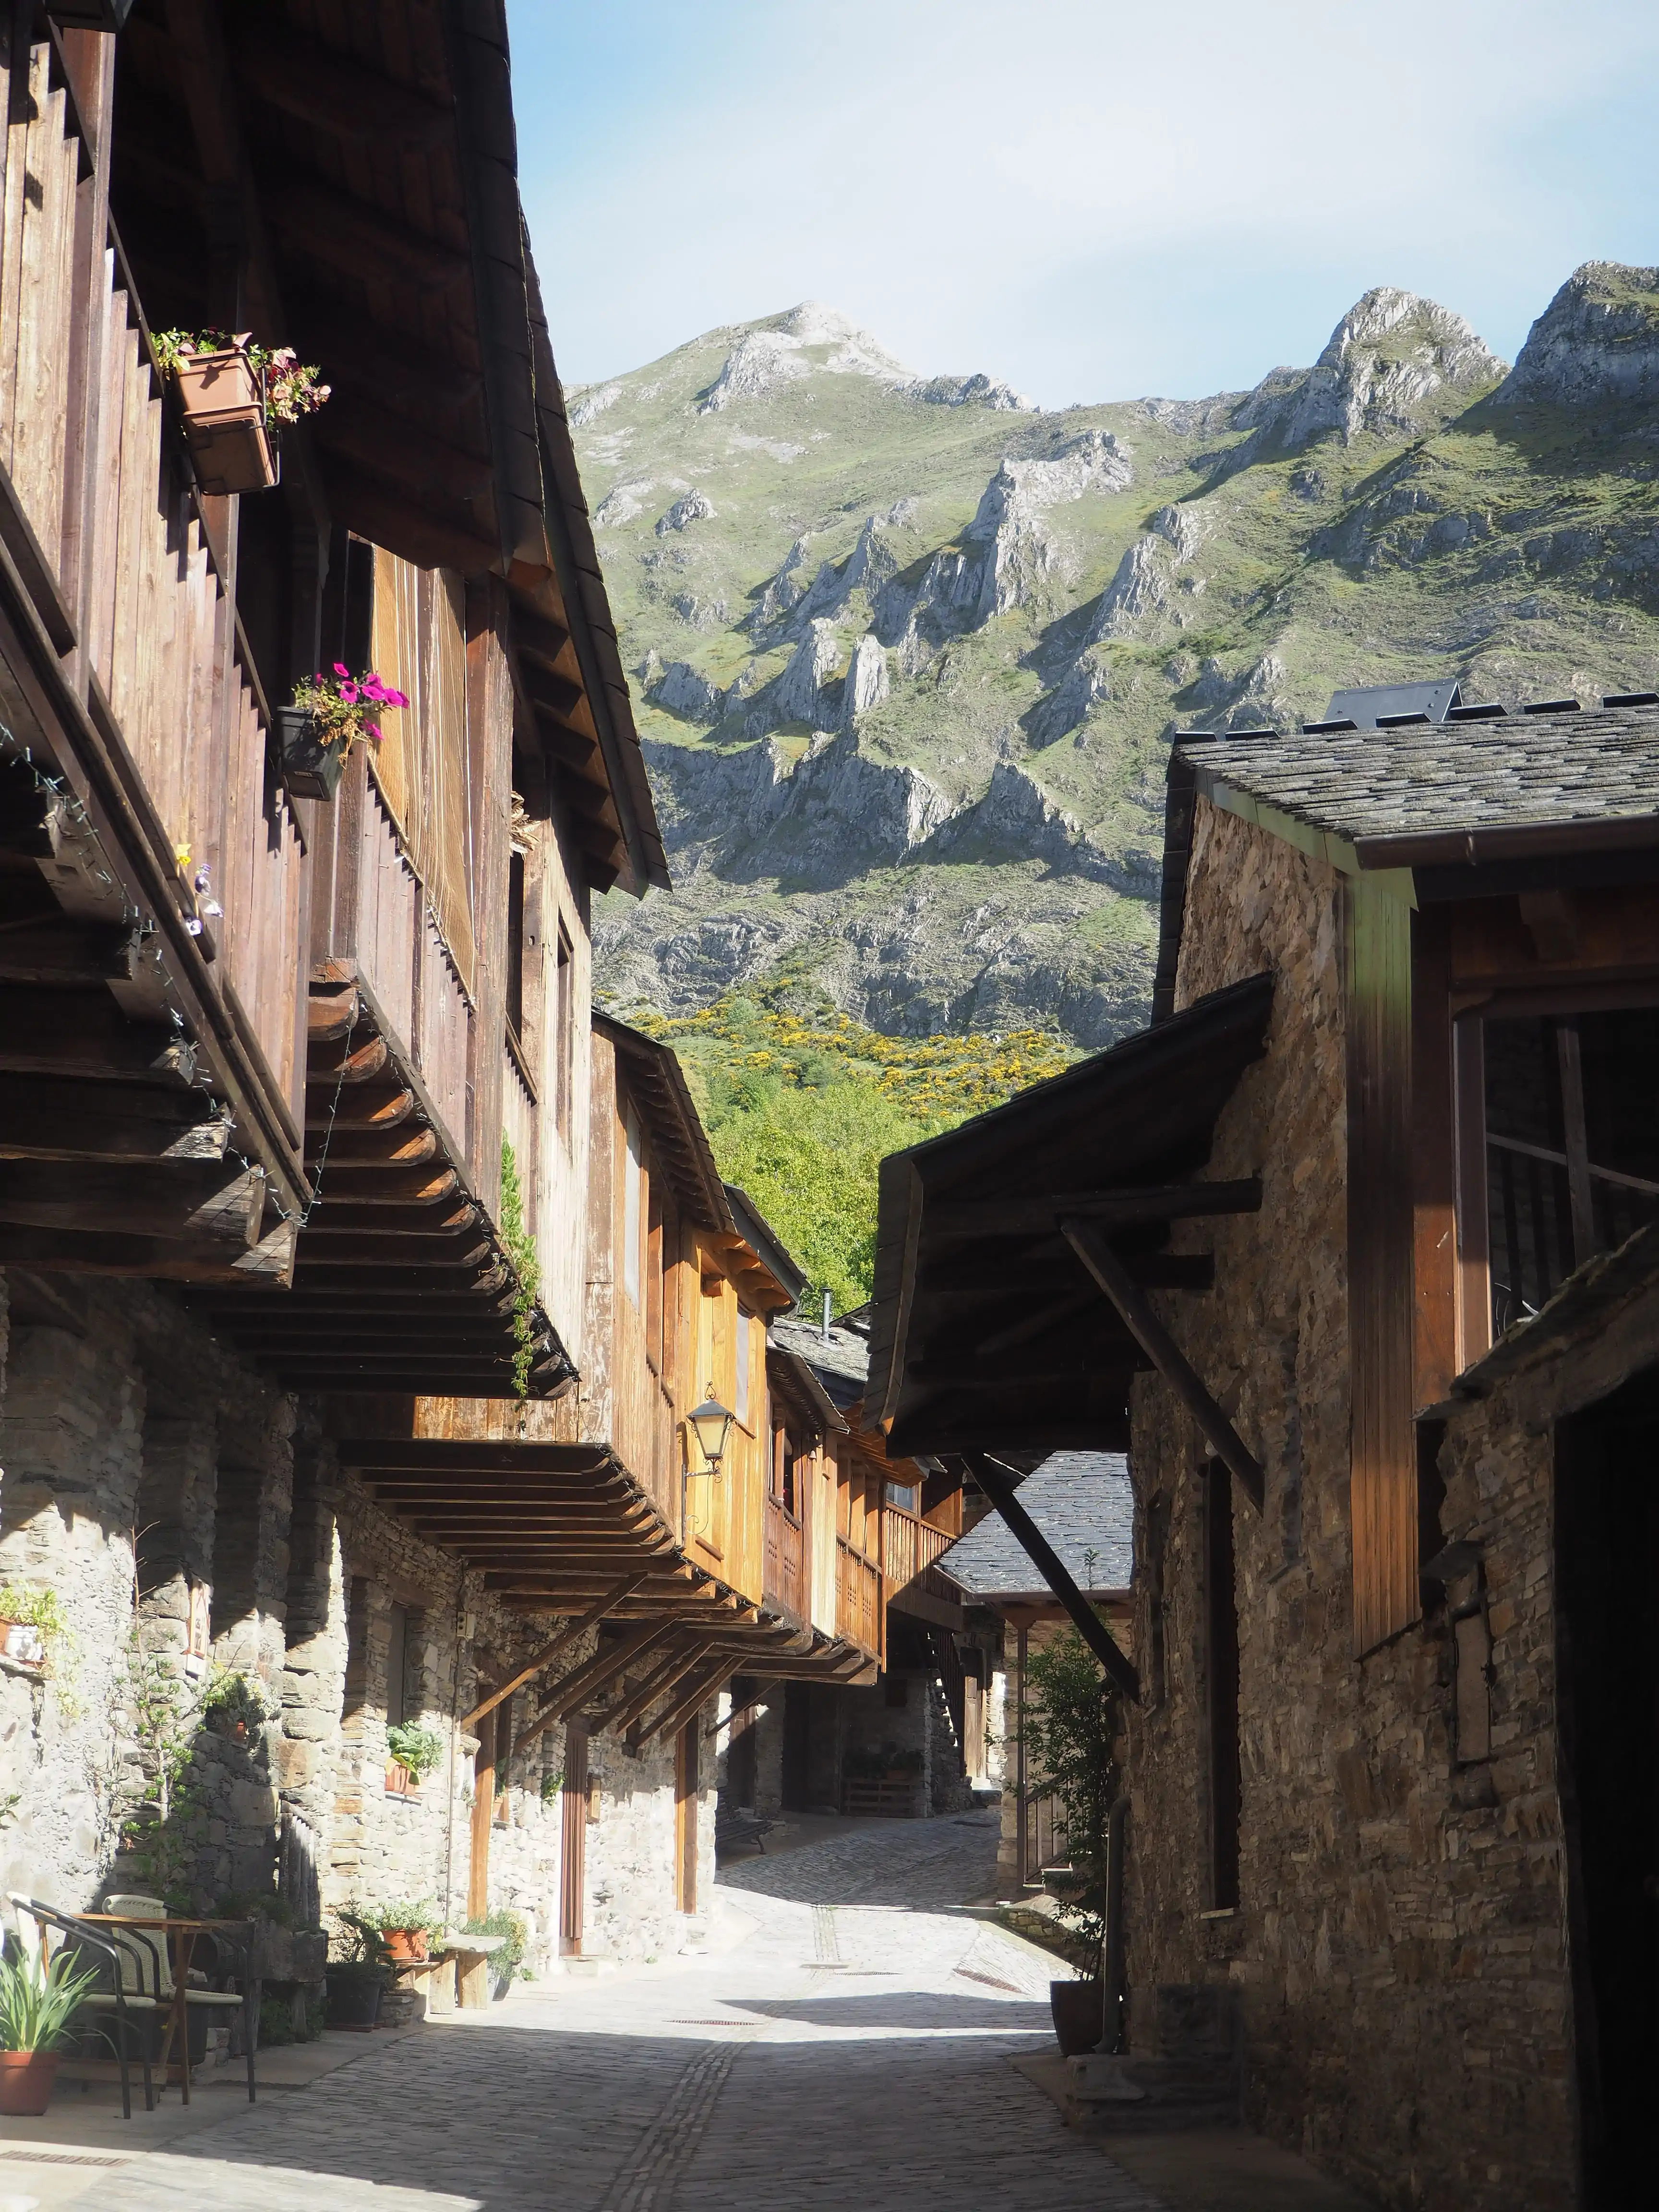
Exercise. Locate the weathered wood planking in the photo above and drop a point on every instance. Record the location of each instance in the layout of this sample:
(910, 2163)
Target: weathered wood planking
(37, 296)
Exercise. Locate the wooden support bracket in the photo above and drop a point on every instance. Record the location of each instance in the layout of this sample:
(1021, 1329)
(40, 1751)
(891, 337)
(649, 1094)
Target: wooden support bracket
(1000, 1486)
(1111, 1272)
(549, 1652)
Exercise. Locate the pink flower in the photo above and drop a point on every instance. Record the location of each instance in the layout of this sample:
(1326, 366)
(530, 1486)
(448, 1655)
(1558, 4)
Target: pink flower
(371, 729)
(395, 699)
(340, 668)
(373, 688)
(348, 693)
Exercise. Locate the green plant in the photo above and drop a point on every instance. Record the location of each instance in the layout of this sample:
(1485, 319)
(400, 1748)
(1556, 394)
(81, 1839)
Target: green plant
(420, 1749)
(356, 1949)
(291, 389)
(165, 1832)
(552, 1783)
(31, 1607)
(339, 704)
(1070, 1726)
(403, 1915)
(38, 2008)
(502, 1922)
(231, 1696)
(254, 1905)
(278, 2026)
(526, 1266)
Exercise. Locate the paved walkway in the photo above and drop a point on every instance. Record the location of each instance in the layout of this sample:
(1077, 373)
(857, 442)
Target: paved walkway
(845, 2047)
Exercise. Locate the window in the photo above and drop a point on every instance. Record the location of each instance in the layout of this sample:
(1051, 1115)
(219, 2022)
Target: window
(633, 1203)
(1221, 1610)
(740, 1380)
(1572, 1148)
(564, 1014)
(904, 1495)
(397, 1667)
(515, 946)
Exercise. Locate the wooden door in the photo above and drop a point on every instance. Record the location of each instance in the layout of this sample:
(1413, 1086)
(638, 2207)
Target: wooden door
(573, 1840)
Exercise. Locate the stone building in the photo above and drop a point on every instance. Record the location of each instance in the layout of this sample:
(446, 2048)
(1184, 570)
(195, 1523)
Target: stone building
(1350, 1251)
(356, 1542)
(1083, 1506)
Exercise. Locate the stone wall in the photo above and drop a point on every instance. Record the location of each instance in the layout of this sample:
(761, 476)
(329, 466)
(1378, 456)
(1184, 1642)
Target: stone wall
(191, 1519)
(1397, 1949)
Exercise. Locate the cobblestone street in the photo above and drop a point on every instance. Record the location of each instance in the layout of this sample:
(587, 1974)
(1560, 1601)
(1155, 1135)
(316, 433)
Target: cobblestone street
(852, 2033)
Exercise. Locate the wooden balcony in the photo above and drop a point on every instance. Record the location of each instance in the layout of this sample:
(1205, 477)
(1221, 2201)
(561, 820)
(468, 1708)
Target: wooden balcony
(151, 985)
(861, 1614)
(786, 1583)
(909, 1547)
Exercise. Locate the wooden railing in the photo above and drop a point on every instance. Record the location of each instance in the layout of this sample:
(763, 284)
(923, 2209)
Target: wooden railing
(859, 1613)
(786, 1561)
(123, 576)
(909, 1547)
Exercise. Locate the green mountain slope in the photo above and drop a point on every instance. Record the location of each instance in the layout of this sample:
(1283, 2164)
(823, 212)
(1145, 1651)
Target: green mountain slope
(909, 655)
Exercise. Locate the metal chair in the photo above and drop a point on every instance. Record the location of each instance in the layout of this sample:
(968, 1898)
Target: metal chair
(124, 1965)
(130, 1907)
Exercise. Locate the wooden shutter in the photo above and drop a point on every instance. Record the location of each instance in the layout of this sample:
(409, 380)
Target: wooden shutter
(1383, 1459)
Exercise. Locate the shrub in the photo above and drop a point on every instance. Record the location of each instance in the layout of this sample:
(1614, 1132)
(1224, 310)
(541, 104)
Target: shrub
(420, 1749)
(1071, 1730)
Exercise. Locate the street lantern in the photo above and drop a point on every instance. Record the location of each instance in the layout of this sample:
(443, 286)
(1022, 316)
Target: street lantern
(712, 1423)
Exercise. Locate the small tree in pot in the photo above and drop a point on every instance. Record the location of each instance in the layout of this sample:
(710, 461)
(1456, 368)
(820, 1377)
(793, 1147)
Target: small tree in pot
(356, 1976)
(1071, 1730)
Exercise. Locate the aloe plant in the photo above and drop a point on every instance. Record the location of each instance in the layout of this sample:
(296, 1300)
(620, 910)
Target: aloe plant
(38, 2007)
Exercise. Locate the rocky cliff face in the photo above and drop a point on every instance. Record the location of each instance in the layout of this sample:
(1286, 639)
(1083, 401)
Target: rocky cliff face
(909, 652)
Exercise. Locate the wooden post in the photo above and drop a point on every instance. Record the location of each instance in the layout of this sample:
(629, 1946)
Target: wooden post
(999, 1483)
(573, 1840)
(1577, 1141)
(686, 1749)
(1112, 1275)
(484, 1813)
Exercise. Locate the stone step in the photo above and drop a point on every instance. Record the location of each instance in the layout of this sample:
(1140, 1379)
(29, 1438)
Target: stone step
(1145, 2095)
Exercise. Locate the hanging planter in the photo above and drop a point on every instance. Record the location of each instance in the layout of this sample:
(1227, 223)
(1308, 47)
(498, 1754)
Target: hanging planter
(234, 395)
(330, 714)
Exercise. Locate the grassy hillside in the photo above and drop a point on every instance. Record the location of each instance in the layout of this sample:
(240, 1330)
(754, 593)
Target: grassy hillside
(800, 1106)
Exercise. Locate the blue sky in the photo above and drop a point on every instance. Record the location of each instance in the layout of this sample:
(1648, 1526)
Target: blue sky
(1094, 198)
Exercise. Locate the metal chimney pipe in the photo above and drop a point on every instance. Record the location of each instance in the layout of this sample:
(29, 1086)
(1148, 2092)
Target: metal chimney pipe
(826, 1317)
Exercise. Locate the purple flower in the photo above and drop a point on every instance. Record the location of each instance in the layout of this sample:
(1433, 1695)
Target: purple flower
(395, 699)
(371, 729)
(348, 693)
(340, 668)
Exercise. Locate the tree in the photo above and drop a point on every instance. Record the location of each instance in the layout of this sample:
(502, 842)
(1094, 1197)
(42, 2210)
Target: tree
(1071, 1725)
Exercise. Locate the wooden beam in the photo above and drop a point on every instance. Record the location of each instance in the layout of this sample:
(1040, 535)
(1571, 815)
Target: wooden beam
(204, 1201)
(55, 949)
(109, 1123)
(573, 1690)
(549, 1652)
(1000, 1486)
(61, 1032)
(376, 1108)
(485, 1455)
(1160, 1347)
(705, 1684)
(1017, 1216)
(1049, 1269)
(355, 360)
(164, 1259)
(354, 238)
(328, 88)
(673, 1669)
(331, 1062)
(369, 1151)
(393, 447)
(412, 531)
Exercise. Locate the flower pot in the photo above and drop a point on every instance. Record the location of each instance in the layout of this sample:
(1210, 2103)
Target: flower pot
(1078, 2010)
(354, 2000)
(22, 1641)
(26, 2079)
(404, 1947)
(311, 769)
(225, 427)
(400, 1782)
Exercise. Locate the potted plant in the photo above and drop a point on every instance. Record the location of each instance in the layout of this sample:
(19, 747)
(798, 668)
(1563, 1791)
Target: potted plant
(329, 713)
(29, 1620)
(504, 1963)
(234, 394)
(413, 1752)
(1070, 1730)
(38, 2012)
(403, 1928)
(236, 1704)
(356, 1981)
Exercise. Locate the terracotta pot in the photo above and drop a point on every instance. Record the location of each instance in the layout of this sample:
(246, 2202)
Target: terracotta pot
(26, 2079)
(1078, 2010)
(311, 769)
(404, 1946)
(225, 424)
(400, 1782)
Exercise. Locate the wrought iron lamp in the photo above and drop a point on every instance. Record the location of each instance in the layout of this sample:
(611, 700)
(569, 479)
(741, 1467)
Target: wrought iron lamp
(712, 1423)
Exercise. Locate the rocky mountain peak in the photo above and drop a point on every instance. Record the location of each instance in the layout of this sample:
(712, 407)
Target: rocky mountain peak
(1597, 340)
(1390, 366)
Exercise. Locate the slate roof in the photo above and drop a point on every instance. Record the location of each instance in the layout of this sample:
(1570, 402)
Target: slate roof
(840, 1365)
(1388, 790)
(1083, 1503)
